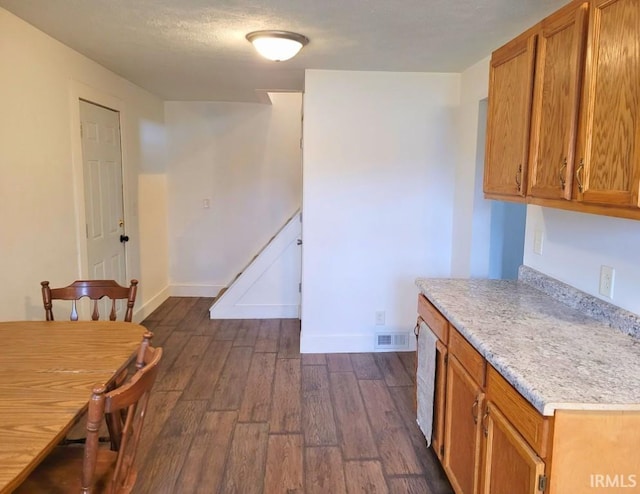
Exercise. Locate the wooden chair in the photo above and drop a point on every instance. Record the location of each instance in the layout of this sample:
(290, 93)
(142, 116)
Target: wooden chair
(95, 470)
(94, 290)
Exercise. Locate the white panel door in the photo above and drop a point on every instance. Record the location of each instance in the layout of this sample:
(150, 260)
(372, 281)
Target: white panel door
(104, 210)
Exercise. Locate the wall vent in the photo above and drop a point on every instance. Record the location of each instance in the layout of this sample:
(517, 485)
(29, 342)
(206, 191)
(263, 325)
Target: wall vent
(392, 341)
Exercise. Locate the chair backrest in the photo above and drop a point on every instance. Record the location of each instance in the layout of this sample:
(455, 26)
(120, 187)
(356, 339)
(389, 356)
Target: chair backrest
(127, 403)
(94, 290)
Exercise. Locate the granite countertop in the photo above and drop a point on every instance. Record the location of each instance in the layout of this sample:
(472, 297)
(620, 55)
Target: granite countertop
(554, 355)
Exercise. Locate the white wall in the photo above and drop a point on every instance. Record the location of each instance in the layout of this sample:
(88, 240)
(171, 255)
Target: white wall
(41, 203)
(377, 200)
(472, 213)
(575, 245)
(245, 160)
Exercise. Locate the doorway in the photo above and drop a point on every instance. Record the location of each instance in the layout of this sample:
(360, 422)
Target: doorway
(103, 192)
(499, 227)
(506, 248)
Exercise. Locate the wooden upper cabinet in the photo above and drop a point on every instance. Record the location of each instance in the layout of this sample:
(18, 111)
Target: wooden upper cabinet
(509, 118)
(608, 169)
(569, 136)
(559, 63)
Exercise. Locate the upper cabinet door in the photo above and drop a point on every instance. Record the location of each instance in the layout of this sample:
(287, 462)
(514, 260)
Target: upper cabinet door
(559, 63)
(608, 170)
(509, 118)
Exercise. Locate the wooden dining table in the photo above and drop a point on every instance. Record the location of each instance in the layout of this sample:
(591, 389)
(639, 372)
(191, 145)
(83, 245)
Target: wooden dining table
(47, 372)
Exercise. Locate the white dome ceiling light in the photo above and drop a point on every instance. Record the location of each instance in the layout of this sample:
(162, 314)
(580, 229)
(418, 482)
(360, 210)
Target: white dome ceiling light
(277, 45)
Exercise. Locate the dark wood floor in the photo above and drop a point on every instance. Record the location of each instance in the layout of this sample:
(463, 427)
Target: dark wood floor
(237, 409)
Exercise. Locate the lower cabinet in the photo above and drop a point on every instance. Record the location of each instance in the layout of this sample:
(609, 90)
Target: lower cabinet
(439, 326)
(487, 437)
(510, 465)
(484, 452)
(491, 440)
(439, 400)
(465, 401)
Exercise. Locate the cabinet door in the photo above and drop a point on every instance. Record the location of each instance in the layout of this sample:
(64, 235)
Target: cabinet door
(439, 400)
(559, 62)
(509, 118)
(510, 466)
(609, 168)
(464, 402)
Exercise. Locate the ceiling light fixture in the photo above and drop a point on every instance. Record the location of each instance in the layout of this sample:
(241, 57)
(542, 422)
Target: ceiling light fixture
(277, 45)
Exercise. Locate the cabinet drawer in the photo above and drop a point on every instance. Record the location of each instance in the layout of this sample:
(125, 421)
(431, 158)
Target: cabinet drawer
(468, 356)
(533, 426)
(436, 321)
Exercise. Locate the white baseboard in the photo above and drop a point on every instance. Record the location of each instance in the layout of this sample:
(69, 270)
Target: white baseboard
(336, 343)
(344, 343)
(155, 302)
(257, 312)
(195, 290)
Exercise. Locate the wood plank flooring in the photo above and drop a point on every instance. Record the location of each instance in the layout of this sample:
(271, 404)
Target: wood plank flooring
(237, 409)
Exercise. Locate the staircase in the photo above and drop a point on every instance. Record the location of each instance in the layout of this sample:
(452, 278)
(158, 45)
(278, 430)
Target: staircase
(268, 287)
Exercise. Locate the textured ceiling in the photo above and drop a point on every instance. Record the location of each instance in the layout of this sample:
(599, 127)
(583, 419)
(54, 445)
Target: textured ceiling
(196, 50)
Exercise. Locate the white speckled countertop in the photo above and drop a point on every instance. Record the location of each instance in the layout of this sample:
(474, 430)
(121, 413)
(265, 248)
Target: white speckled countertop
(554, 355)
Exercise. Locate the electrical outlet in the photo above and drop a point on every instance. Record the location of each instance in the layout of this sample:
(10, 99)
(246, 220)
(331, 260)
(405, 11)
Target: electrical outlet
(607, 276)
(380, 317)
(538, 238)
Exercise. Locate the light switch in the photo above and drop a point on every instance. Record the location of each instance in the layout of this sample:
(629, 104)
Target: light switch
(206, 203)
(607, 277)
(537, 242)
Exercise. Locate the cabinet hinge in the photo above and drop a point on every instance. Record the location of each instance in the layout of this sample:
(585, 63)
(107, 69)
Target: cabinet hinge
(442, 450)
(300, 287)
(542, 483)
(446, 358)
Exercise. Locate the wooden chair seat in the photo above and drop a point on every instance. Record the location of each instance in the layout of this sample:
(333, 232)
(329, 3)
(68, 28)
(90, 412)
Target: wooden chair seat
(92, 469)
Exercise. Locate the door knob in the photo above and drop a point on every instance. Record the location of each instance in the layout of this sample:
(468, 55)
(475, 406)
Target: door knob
(124, 238)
